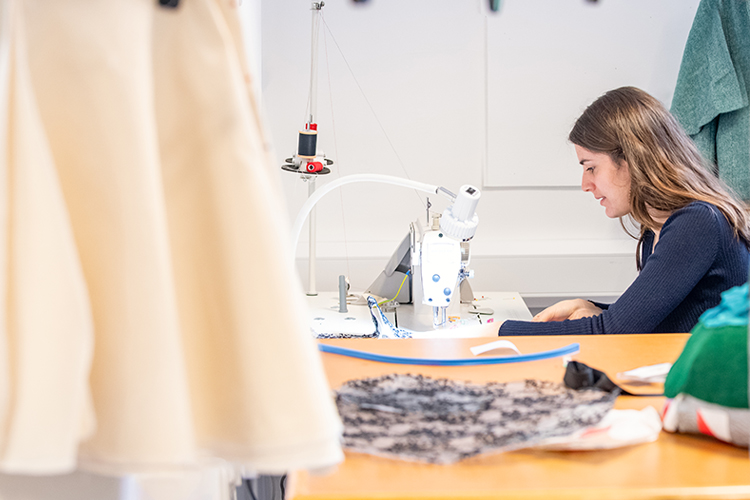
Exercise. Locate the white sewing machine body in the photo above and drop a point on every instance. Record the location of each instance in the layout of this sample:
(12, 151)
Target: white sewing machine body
(439, 260)
(434, 262)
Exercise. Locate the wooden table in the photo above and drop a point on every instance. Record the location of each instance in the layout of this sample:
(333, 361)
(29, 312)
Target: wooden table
(675, 466)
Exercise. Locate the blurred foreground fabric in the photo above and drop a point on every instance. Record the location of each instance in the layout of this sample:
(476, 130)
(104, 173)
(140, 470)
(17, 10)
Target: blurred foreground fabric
(145, 251)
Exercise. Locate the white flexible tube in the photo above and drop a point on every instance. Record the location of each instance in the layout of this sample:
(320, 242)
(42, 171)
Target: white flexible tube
(350, 179)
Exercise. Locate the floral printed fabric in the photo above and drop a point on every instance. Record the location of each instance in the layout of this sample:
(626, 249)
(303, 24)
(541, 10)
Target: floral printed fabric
(417, 418)
(384, 329)
(691, 415)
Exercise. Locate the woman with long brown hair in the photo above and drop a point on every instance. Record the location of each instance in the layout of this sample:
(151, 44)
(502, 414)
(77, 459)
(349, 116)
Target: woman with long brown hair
(694, 235)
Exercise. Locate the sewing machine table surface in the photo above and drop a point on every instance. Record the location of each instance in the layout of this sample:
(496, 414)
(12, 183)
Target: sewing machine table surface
(326, 318)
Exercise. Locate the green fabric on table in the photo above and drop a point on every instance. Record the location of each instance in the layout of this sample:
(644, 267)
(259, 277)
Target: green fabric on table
(711, 96)
(713, 366)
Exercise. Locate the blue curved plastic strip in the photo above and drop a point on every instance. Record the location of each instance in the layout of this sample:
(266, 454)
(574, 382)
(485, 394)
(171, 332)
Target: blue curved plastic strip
(518, 358)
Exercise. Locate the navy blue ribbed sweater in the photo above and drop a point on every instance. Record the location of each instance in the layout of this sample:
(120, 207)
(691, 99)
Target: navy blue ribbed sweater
(696, 258)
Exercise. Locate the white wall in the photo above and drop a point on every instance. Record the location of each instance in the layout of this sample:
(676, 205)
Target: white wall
(450, 93)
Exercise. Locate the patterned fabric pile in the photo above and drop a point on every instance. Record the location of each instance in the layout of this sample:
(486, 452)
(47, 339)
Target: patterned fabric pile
(417, 418)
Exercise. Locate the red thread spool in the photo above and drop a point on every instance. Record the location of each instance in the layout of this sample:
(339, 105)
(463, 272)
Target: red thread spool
(314, 166)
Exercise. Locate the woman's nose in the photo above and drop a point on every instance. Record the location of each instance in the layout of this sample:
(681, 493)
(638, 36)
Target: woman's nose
(586, 184)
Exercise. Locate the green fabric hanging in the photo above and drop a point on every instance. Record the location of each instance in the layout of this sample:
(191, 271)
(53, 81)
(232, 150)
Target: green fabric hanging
(711, 96)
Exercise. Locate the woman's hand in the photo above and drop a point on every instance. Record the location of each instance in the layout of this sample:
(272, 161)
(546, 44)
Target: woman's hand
(568, 309)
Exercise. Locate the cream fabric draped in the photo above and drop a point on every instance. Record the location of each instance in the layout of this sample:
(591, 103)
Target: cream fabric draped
(152, 316)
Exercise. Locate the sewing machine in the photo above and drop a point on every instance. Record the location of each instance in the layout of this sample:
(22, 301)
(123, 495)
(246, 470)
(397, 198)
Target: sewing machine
(434, 262)
(418, 286)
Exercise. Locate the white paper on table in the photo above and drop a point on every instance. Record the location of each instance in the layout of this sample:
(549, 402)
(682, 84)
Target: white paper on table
(618, 428)
(498, 344)
(648, 374)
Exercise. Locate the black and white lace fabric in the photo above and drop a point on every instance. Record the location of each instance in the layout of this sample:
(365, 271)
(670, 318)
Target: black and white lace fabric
(417, 418)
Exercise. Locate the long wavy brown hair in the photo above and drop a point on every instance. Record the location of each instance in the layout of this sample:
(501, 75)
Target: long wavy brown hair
(667, 172)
